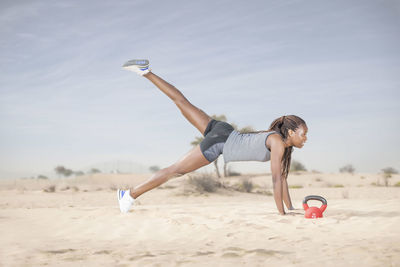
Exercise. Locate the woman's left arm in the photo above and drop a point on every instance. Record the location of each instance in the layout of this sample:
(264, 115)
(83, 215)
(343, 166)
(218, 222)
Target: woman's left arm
(285, 194)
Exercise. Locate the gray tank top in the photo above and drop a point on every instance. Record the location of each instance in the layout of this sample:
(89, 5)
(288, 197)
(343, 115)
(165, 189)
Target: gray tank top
(247, 147)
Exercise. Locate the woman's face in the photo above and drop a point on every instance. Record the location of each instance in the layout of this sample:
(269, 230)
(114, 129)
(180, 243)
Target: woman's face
(299, 137)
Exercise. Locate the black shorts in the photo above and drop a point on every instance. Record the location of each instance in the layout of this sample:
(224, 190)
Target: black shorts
(215, 137)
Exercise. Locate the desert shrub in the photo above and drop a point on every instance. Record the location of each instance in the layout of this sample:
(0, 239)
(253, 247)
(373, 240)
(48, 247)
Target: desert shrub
(397, 184)
(64, 188)
(268, 193)
(295, 186)
(49, 189)
(72, 188)
(94, 170)
(75, 188)
(387, 173)
(297, 166)
(347, 168)
(338, 185)
(113, 187)
(154, 168)
(247, 185)
(42, 177)
(318, 179)
(204, 183)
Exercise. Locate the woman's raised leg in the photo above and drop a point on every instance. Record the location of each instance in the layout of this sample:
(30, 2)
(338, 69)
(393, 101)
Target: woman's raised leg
(197, 117)
(190, 162)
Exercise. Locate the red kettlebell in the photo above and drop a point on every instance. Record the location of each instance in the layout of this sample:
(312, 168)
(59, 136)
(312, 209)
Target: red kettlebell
(314, 212)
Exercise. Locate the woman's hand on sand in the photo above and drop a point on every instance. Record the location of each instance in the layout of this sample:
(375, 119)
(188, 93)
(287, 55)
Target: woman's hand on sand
(293, 212)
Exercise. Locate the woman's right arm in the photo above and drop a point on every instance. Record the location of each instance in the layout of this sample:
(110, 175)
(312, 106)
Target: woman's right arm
(277, 151)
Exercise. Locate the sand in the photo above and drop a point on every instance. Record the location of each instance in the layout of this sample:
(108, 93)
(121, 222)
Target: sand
(80, 223)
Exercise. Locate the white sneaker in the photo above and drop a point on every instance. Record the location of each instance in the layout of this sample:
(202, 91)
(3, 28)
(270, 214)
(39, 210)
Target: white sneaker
(125, 200)
(140, 66)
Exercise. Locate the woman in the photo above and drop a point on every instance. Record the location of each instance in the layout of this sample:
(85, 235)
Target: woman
(275, 145)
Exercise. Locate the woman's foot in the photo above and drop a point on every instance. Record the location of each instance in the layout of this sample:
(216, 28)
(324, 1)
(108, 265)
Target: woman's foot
(140, 66)
(125, 200)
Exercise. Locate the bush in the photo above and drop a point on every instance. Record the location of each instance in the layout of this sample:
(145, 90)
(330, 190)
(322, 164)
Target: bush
(347, 168)
(387, 173)
(247, 186)
(49, 189)
(295, 186)
(154, 168)
(297, 166)
(94, 170)
(204, 183)
(390, 170)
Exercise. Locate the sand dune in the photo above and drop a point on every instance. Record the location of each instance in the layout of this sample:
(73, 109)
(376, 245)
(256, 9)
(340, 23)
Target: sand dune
(80, 224)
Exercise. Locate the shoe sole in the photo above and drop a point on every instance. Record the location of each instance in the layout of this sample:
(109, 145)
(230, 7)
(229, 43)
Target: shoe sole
(141, 63)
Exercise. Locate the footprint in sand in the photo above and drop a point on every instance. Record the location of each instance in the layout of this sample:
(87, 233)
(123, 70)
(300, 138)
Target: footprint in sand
(205, 253)
(103, 252)
(59, 251)
(234, 249)
(146, 255)
(230, 255)
(232, 252)
(261, 251)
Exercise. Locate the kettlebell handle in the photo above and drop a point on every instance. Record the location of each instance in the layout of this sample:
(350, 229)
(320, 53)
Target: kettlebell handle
(314, 197)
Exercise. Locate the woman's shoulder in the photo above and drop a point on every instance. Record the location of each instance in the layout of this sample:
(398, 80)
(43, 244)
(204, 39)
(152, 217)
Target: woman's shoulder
(274, 140)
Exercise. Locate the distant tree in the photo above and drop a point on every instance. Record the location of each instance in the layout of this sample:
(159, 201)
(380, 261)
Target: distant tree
(197, 140)
(40, 176)
(390, 170)
(61, 170)
(68, 172)
(297, 166)
(387, 173)
(246, 129)
(79, 173)
(154, 168)
(347, 168)
(94, 170)
(219, 117)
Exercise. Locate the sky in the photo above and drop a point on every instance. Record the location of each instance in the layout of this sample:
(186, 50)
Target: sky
(65, 100)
